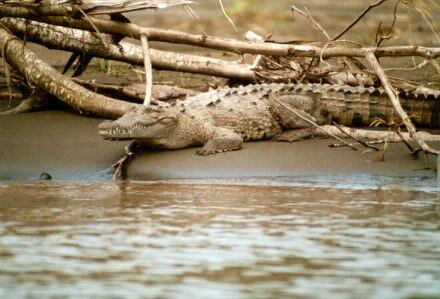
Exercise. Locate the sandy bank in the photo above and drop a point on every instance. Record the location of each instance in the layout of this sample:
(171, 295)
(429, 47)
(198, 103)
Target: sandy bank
(68, 147)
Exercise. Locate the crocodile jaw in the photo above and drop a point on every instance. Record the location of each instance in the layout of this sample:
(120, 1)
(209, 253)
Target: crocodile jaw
(113, 131)
(140, 125)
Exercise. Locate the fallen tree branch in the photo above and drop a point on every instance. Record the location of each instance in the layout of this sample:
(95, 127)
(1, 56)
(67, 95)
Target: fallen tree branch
(413, 134)
(318, 128)
(37, 8)
(238, 46)
(62, 38)
(135, 92)
(374, 134)
(33, 12)
(360, 141)
(306, 13)
(148, 71)
(339, 35)
(43, 76)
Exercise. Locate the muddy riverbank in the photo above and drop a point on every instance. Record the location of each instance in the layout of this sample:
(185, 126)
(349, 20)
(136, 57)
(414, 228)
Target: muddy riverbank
(68, 147)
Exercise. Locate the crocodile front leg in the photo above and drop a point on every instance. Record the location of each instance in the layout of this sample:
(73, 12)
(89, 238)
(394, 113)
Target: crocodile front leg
(224, 140)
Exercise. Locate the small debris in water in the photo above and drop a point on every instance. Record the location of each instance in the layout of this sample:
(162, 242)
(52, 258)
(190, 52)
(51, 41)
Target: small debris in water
(44, 176)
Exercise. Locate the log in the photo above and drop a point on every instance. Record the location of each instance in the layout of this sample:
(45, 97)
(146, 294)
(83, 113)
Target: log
(33, 9)
(74, 40)
(238, 46)
(365, 134)
(46, 78)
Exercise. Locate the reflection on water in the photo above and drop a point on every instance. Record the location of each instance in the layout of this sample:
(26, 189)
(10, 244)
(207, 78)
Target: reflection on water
(217, 241)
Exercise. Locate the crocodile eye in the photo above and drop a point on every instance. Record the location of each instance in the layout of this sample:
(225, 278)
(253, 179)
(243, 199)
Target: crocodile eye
(166, 121)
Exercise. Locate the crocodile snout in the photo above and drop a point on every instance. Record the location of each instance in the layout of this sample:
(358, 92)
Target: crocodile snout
(105, 125)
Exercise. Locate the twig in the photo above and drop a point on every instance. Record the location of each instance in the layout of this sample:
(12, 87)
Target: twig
(367, 142)
(357, 19)
(371, 58)
(381, 38)
(376, 135)
(148, 71)
(93, 25)
(226, 15)
(435, 65)
(404, 140)
(419, 66)
(308, 15)
(354, 138)
(313, 123)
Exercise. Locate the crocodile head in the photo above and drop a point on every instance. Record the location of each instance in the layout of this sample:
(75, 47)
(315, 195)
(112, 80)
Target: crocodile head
(141, 123)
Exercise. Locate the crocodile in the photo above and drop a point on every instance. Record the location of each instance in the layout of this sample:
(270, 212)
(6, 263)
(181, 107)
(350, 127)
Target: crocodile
(220, 120)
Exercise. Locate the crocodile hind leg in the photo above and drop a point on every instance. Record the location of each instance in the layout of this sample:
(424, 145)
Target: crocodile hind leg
(224, 140)
(295, 135)
(297, 111)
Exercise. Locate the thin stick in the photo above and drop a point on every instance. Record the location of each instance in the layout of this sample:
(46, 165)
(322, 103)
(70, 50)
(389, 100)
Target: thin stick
(148, 71)
(354, 138)
(226, 15)
(358, 18)
(419, 66)
(367, 142)
(313, 123)
(308, 15)
(93, 25)
(404, 141)
(436, 66)
(372, 60)
(379, 39)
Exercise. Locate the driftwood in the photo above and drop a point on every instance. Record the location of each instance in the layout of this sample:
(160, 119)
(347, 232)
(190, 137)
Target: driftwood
(371, 58)
(238, 46)
(43, 76)
(365, 134)
(31, 9)
(63, 38)
(135, 92)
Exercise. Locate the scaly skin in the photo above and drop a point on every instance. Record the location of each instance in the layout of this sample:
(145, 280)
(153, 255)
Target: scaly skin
(220, 120)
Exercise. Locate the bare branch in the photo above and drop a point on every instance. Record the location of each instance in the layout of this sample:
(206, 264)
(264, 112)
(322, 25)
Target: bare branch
(375, 134)
(237, 46)
(306, 13)
(86, 42)
(42, 75)
(348, 134)
(371, 58)
(312, 123)
(339, 35)
(36, 11)
(148, 71)
(226, 15)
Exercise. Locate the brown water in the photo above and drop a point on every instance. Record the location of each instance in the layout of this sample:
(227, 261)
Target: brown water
(217, 241)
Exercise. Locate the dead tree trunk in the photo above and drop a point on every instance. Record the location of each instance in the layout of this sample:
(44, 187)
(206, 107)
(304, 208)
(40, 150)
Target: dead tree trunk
(43, 76)
(63, 38)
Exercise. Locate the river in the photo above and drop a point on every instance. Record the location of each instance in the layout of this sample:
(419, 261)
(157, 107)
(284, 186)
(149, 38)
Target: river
(180, 240)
